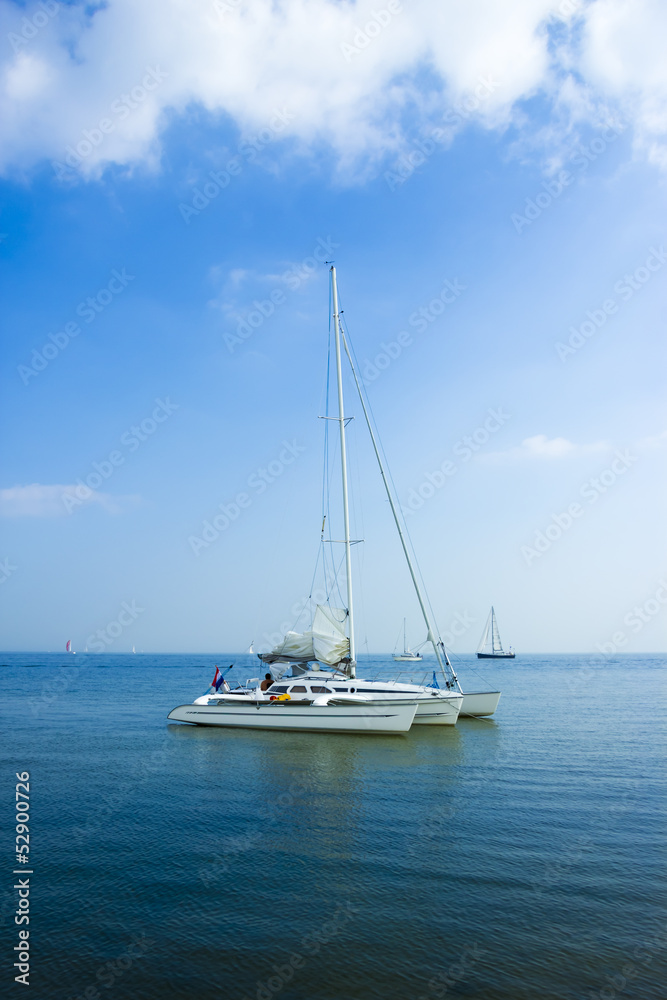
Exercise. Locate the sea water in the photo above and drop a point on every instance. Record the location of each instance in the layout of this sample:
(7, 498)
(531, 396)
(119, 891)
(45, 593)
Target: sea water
(508, 859)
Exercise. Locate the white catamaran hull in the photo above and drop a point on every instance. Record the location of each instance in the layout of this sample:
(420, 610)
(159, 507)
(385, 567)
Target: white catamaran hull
(478, 703)
(438, 712)
(353, 718)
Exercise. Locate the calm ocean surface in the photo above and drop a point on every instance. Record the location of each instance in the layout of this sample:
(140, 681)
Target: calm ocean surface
(513, 859)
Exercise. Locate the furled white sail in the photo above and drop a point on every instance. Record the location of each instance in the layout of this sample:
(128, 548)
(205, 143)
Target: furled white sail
(330, 643)
(295, 646)
(325, 641)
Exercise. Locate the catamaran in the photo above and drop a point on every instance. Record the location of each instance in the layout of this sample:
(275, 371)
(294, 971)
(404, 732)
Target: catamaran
(322, 691)
(493, 650)
(407, 656)
(321, 706)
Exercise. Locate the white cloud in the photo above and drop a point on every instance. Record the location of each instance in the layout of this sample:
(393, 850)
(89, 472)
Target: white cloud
(260, 56)
(623, 57)
(653, 442)
(38, 500)
(542, 448)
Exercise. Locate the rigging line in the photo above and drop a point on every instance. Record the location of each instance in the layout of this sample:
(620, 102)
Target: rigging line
(334, 583)
(395, 491)
(467, 666)
(320, 552)
(321, 549)
(333, 457)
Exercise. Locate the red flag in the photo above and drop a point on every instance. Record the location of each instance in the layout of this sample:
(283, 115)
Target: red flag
(217, 674)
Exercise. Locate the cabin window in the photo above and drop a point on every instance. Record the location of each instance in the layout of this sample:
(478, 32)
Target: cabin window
(281, 690)
(340, 689)
(298, 689)
(318, 689)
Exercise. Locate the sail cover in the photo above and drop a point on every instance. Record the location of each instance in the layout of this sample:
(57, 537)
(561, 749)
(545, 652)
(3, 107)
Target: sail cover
(325, 641)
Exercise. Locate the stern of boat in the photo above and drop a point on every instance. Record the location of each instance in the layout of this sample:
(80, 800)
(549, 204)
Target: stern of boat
(479, 703)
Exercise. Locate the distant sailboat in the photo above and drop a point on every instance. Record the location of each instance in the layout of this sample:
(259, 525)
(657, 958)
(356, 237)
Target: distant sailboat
(407, 655)
(496, 651)
(250, 649)
(133, 650)
(68, 647)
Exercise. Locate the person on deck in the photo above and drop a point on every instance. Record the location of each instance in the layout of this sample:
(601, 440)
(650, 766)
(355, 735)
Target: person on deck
(266, 683)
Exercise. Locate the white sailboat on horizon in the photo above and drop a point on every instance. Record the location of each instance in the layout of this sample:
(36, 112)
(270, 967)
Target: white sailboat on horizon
(407, 656)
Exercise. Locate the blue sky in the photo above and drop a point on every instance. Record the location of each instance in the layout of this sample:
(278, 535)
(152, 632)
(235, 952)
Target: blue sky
(540, 201)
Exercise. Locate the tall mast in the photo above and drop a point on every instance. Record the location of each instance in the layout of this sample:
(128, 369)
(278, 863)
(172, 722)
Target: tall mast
(343, 464)
(436, 642)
